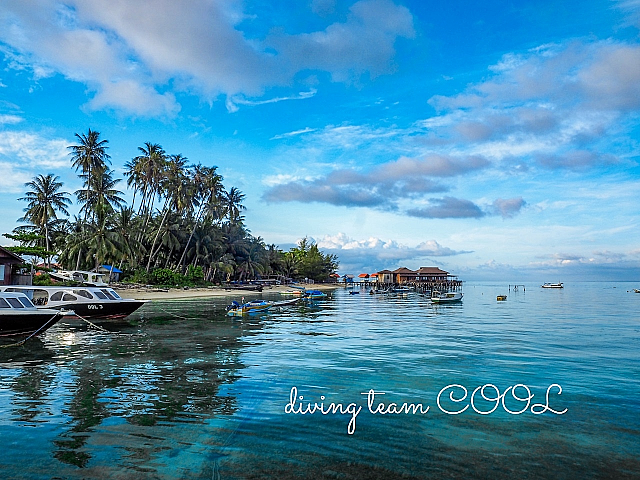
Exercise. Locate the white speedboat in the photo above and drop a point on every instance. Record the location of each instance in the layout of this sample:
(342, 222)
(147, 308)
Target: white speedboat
(87, 302)
(20, 317)
(93, 279)
(446, 297)
(552, 285)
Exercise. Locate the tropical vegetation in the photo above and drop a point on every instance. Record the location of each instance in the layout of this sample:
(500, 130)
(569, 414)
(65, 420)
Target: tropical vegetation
(183, 225)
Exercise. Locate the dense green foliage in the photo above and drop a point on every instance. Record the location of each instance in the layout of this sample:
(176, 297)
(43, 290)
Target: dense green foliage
(182, 228)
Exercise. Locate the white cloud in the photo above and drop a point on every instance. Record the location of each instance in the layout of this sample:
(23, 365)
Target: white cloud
(374, 254)
(12, 179)
(126, 50)
(32, 151)
(10, 119)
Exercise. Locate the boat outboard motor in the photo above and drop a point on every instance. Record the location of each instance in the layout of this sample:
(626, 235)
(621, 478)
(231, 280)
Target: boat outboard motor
(234, 306)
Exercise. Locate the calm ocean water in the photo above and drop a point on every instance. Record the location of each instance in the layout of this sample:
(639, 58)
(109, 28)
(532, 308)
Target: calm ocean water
(183, 391)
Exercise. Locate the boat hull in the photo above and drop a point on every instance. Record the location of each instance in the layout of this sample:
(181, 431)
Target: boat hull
(27, 323)
(107, 309)
(447, 298)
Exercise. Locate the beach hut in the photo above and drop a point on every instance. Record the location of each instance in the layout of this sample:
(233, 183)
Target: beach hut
(363, 278)
(432, 274)
(385, 277)
(110, 270)
(347, 278)
(8, 260)
(404, 275)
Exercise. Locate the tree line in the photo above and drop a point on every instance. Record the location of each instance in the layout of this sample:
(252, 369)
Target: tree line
(181, 219)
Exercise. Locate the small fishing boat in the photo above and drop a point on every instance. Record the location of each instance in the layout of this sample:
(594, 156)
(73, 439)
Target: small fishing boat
(87, 302)
(377, 291)
(20, 317)
(314, 294)
(353, 293)
(254, 306)
(501, 298)
(400, 290)
(446, 297)
(636, 290)
(552, 285)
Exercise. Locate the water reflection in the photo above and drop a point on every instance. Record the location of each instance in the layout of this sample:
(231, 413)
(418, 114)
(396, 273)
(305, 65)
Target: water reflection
(156, 370)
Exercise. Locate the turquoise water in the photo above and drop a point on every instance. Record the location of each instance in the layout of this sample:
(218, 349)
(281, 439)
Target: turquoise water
(183, 391)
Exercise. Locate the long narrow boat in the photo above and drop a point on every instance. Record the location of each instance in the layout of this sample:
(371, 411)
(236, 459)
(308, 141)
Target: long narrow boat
(20, 317)
(87, 302)
(552, 285)
(446, 297)
(253, 306)
(314, 294)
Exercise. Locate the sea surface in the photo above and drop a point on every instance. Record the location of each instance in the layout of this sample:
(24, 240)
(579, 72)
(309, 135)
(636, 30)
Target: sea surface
(181, 390)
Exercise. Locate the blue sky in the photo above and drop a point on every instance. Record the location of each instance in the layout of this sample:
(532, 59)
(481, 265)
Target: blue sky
(497, 140)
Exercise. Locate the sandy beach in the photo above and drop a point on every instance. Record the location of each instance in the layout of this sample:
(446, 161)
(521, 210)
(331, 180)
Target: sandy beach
(154, 293)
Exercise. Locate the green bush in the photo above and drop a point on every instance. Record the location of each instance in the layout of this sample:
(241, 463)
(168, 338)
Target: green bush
(43, 280)
(195, 274)
(139, 276)
(165, 276)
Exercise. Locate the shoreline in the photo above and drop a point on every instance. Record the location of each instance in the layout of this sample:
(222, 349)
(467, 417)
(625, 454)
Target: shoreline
(153, 293)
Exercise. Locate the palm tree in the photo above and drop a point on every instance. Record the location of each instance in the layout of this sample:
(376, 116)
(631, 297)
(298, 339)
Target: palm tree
(207, 186)
(177, 191)
(90, 154)
(45, 200)
(101, 241)
(146, 172)
(100, 193)
(233, 205)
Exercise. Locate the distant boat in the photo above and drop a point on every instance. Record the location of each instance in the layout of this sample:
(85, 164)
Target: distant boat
(314, 294)
(446, 297)
(93, 279)
(401, 290)
(20, 317)
(87, 302)
(254, 306)
(552, 285)
(501, 298)
(354, 293)
(636, 290)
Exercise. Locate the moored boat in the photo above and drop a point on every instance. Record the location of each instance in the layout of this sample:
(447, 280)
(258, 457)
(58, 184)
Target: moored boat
(552, 285)
(254, 306)
(446, 297)
(314, 294)
(501, 298)
(20, 317)
(92, 279)
(87, 302)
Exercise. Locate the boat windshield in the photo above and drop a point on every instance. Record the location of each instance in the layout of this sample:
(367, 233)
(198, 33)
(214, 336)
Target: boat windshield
(15, 303)
(83, 293)
(26, 302)
(106, 292)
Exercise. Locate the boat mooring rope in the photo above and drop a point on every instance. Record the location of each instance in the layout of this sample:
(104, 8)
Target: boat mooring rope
(91, 324)
(21, 342)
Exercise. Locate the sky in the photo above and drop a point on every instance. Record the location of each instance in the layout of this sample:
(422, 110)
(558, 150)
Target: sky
(497, 140)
